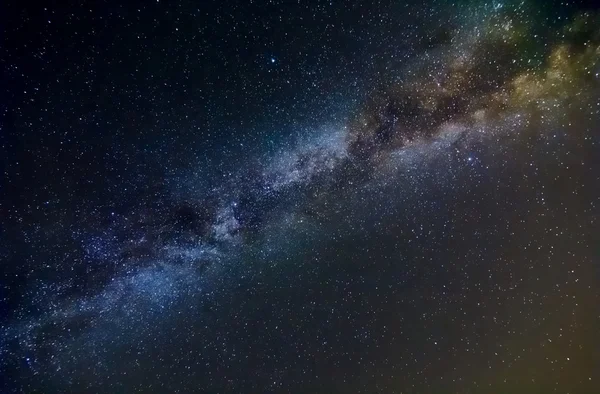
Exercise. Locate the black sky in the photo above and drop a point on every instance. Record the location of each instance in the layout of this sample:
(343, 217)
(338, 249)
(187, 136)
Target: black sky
(299, 197)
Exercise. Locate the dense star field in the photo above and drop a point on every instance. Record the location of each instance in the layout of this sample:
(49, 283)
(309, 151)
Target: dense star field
(300, 197)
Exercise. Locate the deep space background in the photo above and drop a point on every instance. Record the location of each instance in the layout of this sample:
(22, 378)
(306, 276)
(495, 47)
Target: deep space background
(300, 197)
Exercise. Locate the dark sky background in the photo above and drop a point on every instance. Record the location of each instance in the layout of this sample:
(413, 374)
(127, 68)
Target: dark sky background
(299, 197)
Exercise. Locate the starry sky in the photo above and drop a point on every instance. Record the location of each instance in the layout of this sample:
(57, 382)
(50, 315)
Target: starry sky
(300, 197)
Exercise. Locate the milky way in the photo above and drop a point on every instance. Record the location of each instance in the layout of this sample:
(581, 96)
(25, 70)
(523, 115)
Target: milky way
(435, 232)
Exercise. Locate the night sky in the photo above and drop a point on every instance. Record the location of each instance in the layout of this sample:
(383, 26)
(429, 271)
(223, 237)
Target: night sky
(300, 197)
